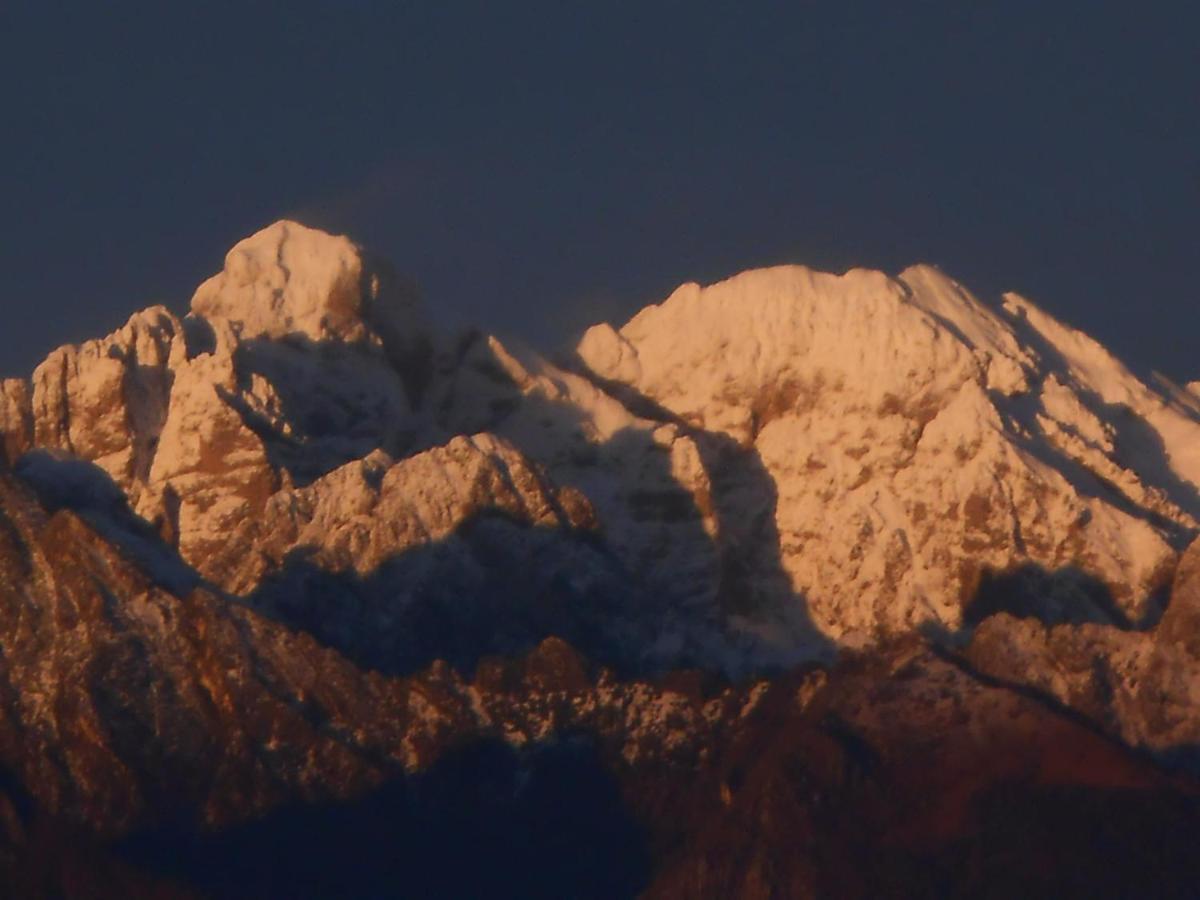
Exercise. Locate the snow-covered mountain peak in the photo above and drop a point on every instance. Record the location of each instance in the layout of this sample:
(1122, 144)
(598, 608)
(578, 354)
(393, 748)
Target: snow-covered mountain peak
(291, 280)
(917, 438)
(815, 458)
(1006, 364)
(728, 357)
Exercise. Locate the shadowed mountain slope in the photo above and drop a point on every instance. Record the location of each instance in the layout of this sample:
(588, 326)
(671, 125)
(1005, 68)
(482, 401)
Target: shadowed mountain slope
(795, 585)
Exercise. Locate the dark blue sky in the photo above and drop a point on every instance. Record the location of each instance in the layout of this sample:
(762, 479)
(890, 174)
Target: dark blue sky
(540, 166)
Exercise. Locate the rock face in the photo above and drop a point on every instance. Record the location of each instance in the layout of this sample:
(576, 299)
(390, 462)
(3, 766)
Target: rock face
(916, 438)
(296, 571)
(16, 418)
(122, 699)
(789, 459)
(293, 361)
(156, 739)
(106, 401)
(1143, 687)
(466, 548)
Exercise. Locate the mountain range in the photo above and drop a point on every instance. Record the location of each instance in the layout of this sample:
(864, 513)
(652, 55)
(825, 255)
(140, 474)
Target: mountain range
(798, 584)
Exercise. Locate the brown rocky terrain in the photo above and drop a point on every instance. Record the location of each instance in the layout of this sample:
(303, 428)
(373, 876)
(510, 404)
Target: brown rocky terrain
(159, 740)
(795, 586)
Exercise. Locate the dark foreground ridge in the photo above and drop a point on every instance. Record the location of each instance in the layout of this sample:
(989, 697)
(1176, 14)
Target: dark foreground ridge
(155, 745)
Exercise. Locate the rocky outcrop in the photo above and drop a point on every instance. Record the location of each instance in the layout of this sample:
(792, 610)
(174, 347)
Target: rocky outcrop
(288, 280)
(120, 700)
(905, 776)
(106, 400)
(466, 548)
(795, 460)
(358, 516)
(1142, 687)
(295, 571)
(151, 738)
(292, 362)
(917, 439)
(1179, 627)
(16, 418)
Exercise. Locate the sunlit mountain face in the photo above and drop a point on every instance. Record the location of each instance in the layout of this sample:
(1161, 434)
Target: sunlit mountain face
(796, 584)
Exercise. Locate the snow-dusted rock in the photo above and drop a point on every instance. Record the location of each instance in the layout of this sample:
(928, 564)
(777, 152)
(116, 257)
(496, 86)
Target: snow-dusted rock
(298, 357)
(291, 280)
(106, 400)
(16, 418)
(329, 352)
(917, 438)
(812, 457)
(647, 481)
(1141, 686)
(249, 560)
(367, 512)
(212, 475)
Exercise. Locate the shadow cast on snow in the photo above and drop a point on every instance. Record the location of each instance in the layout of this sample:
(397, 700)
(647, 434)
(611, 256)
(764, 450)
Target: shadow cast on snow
(61, 482)
(493, 587)
(342, 401)
(743, 560)
(1133, 438)
(1065, 596)
(497, 586)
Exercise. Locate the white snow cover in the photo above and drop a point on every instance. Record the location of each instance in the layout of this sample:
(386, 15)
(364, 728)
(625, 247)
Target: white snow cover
(812, 457)
(291, 280)
(916, 437)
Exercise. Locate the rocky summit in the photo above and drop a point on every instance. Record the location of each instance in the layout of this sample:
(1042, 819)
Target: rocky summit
(794, 585)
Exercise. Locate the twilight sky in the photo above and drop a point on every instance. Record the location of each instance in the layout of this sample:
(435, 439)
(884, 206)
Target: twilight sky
(538, 166)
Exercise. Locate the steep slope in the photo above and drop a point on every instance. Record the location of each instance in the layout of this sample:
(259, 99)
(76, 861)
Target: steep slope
(1141, 687)
(917, 439)
(272, 437)
(295, 578)
(292, 363)
(130, 709)
(156, 741)
(768, 467)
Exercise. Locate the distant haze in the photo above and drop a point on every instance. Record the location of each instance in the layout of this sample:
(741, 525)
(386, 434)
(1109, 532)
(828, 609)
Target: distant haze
(536, 168)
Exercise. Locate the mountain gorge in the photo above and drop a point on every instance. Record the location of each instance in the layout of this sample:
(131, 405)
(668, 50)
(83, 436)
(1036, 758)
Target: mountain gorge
(797, 584)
